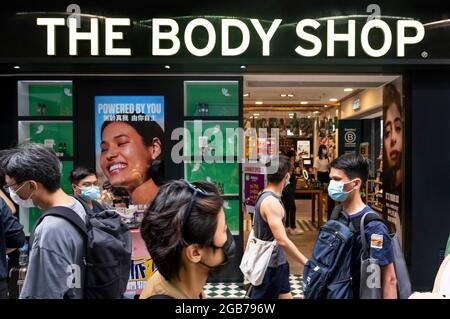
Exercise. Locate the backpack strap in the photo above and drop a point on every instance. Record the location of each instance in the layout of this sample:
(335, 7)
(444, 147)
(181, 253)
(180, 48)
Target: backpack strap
(63, 212)
(366, 219)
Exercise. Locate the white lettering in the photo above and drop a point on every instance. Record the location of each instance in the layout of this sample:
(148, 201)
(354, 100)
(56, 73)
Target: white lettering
(110, 36)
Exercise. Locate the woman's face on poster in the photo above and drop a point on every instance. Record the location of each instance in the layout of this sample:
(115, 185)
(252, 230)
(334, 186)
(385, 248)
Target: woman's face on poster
(125, 159)
(393, 136)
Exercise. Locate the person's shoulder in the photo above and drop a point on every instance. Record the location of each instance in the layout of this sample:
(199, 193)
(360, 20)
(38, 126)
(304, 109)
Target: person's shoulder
(377, 226)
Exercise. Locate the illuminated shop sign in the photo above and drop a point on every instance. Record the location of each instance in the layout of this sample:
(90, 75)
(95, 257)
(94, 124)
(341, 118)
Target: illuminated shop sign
(167, 31)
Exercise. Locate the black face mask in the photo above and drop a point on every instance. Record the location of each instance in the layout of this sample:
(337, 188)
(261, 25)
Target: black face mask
(229, 250)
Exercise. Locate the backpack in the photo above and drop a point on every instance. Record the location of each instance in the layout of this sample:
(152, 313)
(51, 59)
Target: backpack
(108, 250)
(327, 275)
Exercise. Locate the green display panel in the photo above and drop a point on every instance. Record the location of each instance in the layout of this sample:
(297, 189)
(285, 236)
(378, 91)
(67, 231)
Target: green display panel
(67, 167)
(215, 132)
(50, 99)
(231, 209)
(211, 98)
(224, 175)
(60, 133)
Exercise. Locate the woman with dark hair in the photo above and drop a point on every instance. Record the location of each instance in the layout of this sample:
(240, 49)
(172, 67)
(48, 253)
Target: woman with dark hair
(393, 149)
(131, 157)
(393, 136)
(321, 165)
(185, 232)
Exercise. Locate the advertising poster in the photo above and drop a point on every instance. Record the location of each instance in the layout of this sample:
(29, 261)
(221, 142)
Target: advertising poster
(393, 162)
(129, 133)
(142, 265)
(303, 149)
(254, 183)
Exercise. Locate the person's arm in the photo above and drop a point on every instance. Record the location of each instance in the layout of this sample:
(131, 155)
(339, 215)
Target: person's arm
(8, 202)
(389, 281)
(14, 235)
(380, 244)
(316, 167)
(52, 270)
(273, 211)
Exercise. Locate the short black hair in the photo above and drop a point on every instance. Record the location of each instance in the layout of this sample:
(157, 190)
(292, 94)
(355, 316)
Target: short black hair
(353, 166)
(162, 226)
(77, 174)
(32, 162)
(284, 167)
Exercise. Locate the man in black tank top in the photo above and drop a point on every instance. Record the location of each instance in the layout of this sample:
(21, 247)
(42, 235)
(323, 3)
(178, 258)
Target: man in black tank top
(269, 225)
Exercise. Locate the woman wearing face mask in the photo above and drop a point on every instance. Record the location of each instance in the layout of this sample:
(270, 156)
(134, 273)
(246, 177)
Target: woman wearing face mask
(185, 232)
(321, 163)
(85, 187)
(322, 172)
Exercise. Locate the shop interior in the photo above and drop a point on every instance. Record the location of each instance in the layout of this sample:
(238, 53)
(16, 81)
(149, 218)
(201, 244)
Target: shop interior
(310, 111)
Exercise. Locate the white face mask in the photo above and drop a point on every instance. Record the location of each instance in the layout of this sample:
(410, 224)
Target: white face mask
(26, 203)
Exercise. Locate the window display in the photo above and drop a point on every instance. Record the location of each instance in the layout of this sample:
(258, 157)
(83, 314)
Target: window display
(211, 98)
(45, 111)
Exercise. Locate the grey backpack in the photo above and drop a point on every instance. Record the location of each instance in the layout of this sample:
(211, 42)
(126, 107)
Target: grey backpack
(370, 285)
(108, 250)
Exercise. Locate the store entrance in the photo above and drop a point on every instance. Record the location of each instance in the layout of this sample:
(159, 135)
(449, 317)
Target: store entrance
(318, 118)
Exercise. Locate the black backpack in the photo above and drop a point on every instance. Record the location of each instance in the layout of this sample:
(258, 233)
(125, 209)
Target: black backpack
(108, 250)
(327, 275)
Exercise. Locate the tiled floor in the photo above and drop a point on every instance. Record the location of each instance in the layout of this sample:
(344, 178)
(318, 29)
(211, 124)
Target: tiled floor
(236, 290)
(304, 243)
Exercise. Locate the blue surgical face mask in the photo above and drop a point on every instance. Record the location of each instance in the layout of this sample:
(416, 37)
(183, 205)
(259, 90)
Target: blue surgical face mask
(336, 191)
(89, 192)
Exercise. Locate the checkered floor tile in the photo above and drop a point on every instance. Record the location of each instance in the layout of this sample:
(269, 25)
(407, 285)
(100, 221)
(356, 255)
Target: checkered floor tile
(236, 290)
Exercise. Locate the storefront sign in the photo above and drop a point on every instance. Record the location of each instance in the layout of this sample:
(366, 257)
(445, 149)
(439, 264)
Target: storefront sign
(356, 104)
(167, 37)
(349, 136)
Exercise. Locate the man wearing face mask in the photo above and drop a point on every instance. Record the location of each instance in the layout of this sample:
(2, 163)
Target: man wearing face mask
(85, 187)
(348, 176)
(185, 232)
(33, 179)
(268, 224)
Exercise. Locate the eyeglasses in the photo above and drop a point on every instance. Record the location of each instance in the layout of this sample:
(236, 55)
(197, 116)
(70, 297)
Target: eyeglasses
(6, 187)
(197, 191)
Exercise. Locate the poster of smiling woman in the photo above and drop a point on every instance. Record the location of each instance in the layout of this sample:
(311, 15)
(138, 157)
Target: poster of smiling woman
(129, 134)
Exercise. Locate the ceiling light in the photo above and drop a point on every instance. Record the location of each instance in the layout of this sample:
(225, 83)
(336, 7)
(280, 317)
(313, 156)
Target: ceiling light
(243, 67)
(167, 67)
(291, 114)
(290, 95)
(309, 116)
(16, 67)
(316, 112)
(348, 90)
(325, 106)
(255, 114)
(246, 94)
(259, 102)
(283, 95)
(304, 102)
(333, 99)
